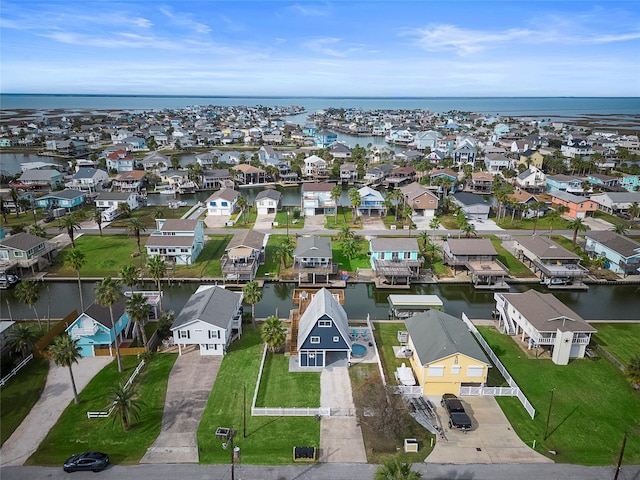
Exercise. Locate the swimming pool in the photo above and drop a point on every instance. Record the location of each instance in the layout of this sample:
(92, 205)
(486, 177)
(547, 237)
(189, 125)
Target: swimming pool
(358, 350)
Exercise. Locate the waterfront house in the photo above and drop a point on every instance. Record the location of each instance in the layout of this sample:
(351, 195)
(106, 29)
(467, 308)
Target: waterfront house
(395, 260)
(439, 175)
(222, 202)
(12, 206)
(616, 203)
(541, 321)
(481, 182)
(95, 332)
(479, 257)
(243, 255)
(40, 179)
(465, 155)
(24, 250)
(444, 354)
(630, 182)
(566, 183)
(268, 201)
(340, 151)
(176, 241)
(5, 333)
(579, 207)
(621, 253)
(428, 139)
(216, 179)
(120, 160)
(576, 147)
(348, 172)
(211, 319)
(525, 203)
(532, 179)
(88, 179)
(129, 181)
(473, 206)
(68, 199)
(247, 174)
(604, 182)
(421, 200)
(371, 202)
(315, 167)
(108, 202)
(378, 173)
(324, 138)
(156, 162)
(313, 260)
(323, 332)
(400, 176)
(553, 263)
(316, 199)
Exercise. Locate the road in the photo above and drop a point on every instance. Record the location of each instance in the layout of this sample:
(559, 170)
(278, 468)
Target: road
(334, 471)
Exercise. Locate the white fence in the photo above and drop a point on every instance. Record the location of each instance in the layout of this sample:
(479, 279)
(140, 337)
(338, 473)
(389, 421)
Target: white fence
(15, 370)
(515, 390)
(409, 391)
(113, 405)
(491, 391)
(289, 412)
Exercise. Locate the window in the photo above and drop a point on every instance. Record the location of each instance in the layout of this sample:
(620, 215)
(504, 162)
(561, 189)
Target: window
(455, 369)
(214, 333)
(184, 334)
(224, 204)
(474, 371)
(324, 323)
(336, 339)
(315, 340)
(435, 371)
(17, 253)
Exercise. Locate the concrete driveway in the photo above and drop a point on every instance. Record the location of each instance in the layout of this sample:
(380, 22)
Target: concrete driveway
(372, 223)
(190, 383)
(45, 413)
(491, 439)
(264, 222)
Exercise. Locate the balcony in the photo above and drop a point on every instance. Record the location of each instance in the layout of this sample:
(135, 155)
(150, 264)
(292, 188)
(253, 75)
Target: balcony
(84, 331)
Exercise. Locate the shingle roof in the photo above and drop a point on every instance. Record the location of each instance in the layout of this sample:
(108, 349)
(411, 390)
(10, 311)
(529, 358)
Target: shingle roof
(226, 194)
(215, 306)
(321, 304)
(87, 172)
(102, 315)
(179, 225)
(269, 193)
(22, 241)
(314, 246)
(436, 335)
(31, 175)
(249, 238)
(471, 246)
(382, 244)
(545, 249)
(618, 243)
(67, 194)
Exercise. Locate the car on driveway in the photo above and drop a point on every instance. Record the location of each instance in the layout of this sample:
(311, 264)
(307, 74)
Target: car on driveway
(94, 461)
(458, 418)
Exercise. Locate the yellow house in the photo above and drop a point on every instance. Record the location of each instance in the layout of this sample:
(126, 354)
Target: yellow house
(531, 157)
(444, 354)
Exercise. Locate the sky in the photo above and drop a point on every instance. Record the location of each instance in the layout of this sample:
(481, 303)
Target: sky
(335, 48)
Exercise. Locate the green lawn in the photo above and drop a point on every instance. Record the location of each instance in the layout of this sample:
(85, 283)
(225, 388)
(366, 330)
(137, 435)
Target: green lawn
(246, 220)
(208, 262)
(344, 218)
(294, 223)
(145, 215)
(279, 388)
(543, 225)
(515, 266)
(592, 406)
(74, 432)
(619, 339)
(271, 265)
(386, 337)
(361, 260)
(269, 440)
(19, 395)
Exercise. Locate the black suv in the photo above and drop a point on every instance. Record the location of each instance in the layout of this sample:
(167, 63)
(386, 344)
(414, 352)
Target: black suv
(458, 418)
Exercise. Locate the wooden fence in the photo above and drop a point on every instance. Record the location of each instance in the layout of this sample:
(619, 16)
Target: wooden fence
(40, 348)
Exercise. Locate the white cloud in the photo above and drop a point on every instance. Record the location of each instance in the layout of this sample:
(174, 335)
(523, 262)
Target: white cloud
(308, 10)
(186, 21)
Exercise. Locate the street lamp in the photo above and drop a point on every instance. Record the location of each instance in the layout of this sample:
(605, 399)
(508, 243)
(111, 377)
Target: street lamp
(287, 221)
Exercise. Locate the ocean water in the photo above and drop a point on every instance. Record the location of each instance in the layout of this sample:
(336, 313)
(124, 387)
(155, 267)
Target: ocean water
(543, 107)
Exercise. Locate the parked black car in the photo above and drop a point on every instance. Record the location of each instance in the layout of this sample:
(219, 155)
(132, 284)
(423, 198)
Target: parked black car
(94, 461)
(458, 418)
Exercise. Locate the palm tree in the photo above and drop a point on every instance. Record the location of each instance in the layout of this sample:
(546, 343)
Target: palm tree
(38, 231)
(242, 203)
(634, 211)
(252, 295)
(468, 229)
(349, 248)
(127, 405)
(70, 223)
(577, 225)
(97, 217)
(28, 292)
(632, 371)
(158, 213)
(65, 352)
(345, 232)
(536, 207)
(138, 311)
(124, 209)
(435, 224)
(21, 339)
(157, 269)
(356, 201)
(396, 470)
(129, 275)
(431, 249)
(15, 197)
(336, 191)
(423, 239)
(620, 228)
(135, 226)
(398, 198)
(273, 333)
(76, 259)
(108, 293)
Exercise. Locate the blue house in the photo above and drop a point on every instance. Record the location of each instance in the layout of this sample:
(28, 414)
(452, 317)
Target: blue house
(94, 330)
(622, 253)
(630, 183)
(566, 183)
(371, 202)
(69, 199)
(323, 332)
(395, 260)
(324, 138)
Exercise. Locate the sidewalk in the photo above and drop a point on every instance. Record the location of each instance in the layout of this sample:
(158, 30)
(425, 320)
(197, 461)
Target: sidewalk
(45, 413)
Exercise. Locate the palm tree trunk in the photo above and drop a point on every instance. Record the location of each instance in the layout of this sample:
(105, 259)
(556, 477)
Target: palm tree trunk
(37, 317)
(144, 335)
(160, 294)
(115, 337)
(73, 386)
(80, 290)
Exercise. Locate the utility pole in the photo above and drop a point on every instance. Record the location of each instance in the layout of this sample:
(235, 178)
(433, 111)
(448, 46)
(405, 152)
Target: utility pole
(546, 428)
(619, 465)
(244, 411)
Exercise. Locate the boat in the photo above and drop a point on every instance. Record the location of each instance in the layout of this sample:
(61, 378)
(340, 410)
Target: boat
(7, 280)
(404, 375)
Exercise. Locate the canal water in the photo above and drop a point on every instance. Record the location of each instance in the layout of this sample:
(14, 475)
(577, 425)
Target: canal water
(600, 302)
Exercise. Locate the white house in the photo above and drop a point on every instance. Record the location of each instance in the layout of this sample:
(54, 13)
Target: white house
(108, 202)
(222, 202)
(268, 201)
(473, 206)
(211, 319)
(315, 167)
(179, 241)
(532, 179)
(88, 179)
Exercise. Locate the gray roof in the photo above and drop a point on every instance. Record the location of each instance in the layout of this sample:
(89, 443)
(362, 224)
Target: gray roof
(314, 246)
(568, 197)
(228, 194)
(471, 246)
(546, 313)
(248, 238)
(87, 172)
(114, 196)
(269, 193)
(215, 306)
(31, 175)
(323, 303)
(179, 225)
(169, 241)
(22, 241)
(394, 244)
(618, 243)
(102, 315)
(436, 335)
(545, 249)
(469, 199)
(67, 194)
(623, 197)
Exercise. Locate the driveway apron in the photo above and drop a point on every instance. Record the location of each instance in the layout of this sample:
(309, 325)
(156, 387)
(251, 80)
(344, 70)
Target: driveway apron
(55, 397)
(340, 435)
(190, 383)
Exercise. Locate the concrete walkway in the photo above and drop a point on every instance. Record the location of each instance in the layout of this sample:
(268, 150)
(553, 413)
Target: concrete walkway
(45, 413)
(190, 383)
(340, 435)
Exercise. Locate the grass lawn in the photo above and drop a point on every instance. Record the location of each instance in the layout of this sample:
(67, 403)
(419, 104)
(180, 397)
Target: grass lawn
(74, 432)
(208, 262)
(246, 220)
(279, 388)
(619, 339)
(19, 395)
(361, 260)
(543, 225)
(344, 218)
(294, 223)
(270, 267)
(145, 215)
(386, 337)
(592, 406)
(515, 266)
(269, 440)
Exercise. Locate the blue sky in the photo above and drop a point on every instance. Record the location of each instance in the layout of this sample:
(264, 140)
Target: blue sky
(340, 48)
